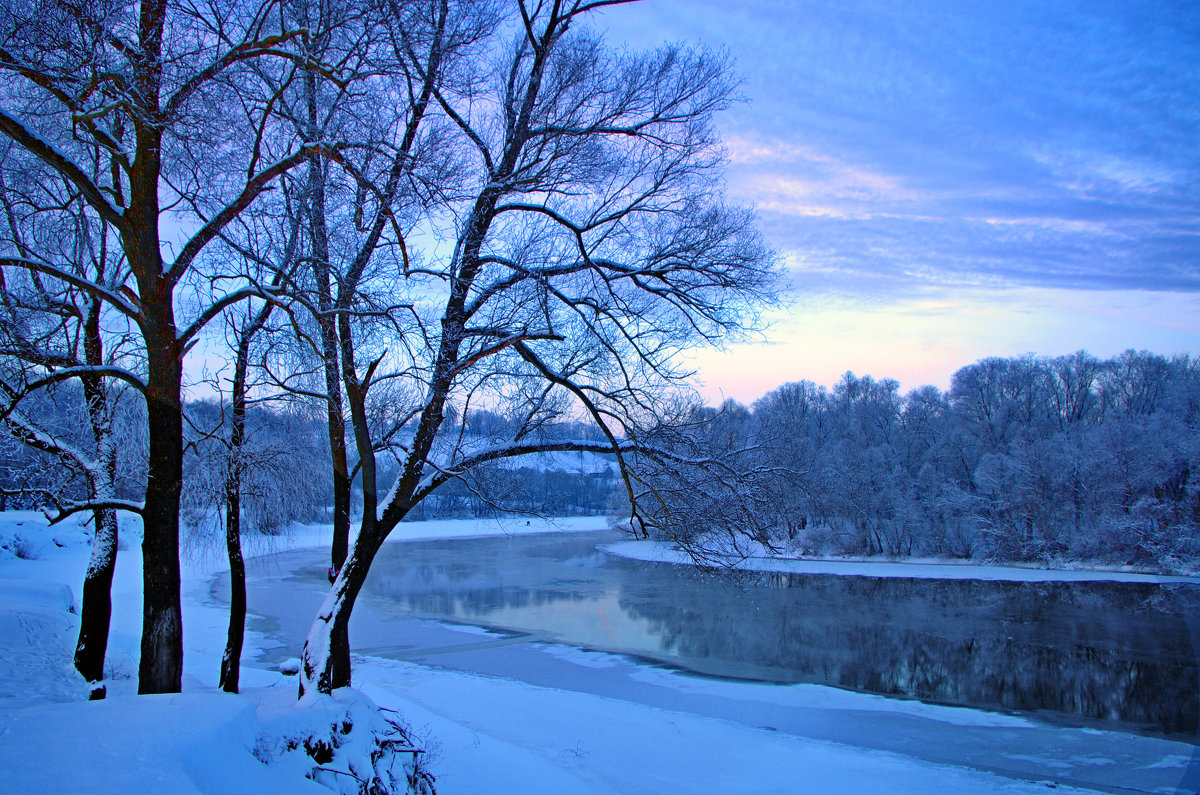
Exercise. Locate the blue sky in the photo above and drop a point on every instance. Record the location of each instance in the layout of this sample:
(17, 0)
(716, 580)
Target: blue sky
(951, 180)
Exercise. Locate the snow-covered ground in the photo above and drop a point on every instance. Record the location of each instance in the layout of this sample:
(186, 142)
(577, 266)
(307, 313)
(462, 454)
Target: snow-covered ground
(665, 552)
(658, 731)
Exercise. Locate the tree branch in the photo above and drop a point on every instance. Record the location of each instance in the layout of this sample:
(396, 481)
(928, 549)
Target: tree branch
(43, 150)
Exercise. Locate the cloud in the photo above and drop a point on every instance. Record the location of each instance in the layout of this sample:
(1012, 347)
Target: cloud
(947, 182)
(894, 146)
(1082, 220)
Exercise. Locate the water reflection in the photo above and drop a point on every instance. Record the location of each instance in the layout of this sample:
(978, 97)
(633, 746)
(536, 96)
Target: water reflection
(1111, 651)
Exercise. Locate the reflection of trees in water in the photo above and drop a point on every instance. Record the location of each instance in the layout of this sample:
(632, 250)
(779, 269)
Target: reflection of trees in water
(464, 601)
(1101, 650)
(1116, 651)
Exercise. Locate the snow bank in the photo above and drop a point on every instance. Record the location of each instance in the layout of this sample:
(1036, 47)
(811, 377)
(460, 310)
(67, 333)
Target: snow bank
(184, 743)
(53, 740)
(665, 552)
(201, 741)
(342, 741)
(38, 629)
(502, 736)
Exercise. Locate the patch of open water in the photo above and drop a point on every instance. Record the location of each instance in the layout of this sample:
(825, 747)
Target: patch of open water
(1117, 653)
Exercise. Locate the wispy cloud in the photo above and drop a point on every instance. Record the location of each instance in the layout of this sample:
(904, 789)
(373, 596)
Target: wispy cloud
(1024, 143)
(972, 151)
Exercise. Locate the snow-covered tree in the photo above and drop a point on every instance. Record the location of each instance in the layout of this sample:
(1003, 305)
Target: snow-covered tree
(148, 88)
(583, 245)
(64, 366)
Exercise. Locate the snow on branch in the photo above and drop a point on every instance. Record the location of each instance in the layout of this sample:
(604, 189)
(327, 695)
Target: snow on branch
(269, 292)
(255, 185)
(63, 511)
(83, 370)
(242, 52)
(46, 152)
(118, 301)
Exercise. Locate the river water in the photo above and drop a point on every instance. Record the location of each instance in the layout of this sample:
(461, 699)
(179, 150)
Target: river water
(1121, 655)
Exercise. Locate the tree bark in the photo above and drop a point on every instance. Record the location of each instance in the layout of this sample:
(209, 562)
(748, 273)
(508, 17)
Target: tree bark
(160, 669)
(161, 666)
(319, 241)
(326, 658)
(231, 660)
(95, 613)
(96, 610)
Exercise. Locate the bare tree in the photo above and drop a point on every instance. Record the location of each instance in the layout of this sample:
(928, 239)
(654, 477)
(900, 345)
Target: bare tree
(406, 48)
(243, 332)
(590, 246)
(261, 245)
(55, 358)
(146, 84)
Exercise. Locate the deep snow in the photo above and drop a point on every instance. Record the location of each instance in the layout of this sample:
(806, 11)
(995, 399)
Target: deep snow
(490, 733)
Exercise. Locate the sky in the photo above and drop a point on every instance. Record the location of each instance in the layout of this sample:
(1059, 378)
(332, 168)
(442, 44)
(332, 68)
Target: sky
(946, 181)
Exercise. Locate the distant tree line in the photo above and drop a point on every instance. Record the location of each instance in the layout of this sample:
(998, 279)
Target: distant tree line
(1023, 459)
(285, 447)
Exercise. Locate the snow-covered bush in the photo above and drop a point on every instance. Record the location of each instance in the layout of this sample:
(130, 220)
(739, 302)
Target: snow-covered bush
(19, 546)
(348, 744)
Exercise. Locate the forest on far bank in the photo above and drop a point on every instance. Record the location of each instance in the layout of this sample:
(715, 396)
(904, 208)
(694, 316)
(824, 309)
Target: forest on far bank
(1024, 459)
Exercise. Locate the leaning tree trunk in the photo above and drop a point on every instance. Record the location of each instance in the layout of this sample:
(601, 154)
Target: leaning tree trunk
(325, 662)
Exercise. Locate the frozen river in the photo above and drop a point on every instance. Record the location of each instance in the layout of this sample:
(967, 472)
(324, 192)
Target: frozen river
(1101, 654)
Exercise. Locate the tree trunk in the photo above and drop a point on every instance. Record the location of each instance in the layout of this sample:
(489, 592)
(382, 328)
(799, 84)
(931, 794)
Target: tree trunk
(319, 243)
(319, 240)
(337, 454)
(231, 661)
(160, 669)
(95, 613)
(96, 610)
(161, 666)
(334, 412)
(325, 662)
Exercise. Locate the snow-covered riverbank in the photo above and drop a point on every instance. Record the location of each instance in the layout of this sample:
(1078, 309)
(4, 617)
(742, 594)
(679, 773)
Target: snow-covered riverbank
(665, 552)
(652, 730)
